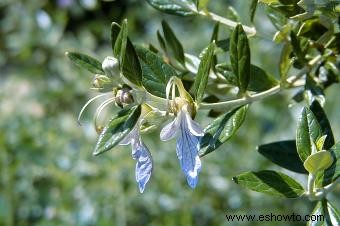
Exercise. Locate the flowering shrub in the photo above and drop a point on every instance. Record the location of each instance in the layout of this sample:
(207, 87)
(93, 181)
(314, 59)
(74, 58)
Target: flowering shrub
(165, 88)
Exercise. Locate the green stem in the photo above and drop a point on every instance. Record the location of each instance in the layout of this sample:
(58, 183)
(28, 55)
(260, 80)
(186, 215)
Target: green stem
(230, 23)
(242, 101)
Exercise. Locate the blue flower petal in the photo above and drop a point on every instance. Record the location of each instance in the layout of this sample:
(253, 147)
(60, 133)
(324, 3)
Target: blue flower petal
(187, 149)
(143, 165)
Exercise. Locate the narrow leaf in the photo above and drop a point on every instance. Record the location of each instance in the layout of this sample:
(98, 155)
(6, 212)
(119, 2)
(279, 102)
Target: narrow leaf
(240, 57)
(120, 44)
(202, 76)
(156, 73)
(271, 183)
(308, 131)
(173, 43)
(175, 7)
(284, 154)
(252, 9)
(117, 128)
(322, 119)
(84, 61)
(222, 129)
(115, 29)
(285, 61)
(131, 66)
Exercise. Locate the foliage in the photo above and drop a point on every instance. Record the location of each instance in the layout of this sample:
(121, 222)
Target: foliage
(47, 180)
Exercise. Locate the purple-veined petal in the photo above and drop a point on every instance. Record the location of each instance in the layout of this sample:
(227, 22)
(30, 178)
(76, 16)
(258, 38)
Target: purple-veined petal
(170, 130)
(194, 128)
(144, 164)
(187, 149)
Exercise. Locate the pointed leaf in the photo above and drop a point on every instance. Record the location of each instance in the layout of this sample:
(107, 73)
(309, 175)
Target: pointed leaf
(156, 73)
(176, 7)
(222, 129)
(120, 43)
(285, 61)
(173, 43)
(318, 161)
(126, 53)
(284, 154)
(117, 128)
(201, 79)
(84, 61)
(308, 131)
(132, 67)
(115, 29)
(271, 183)
(326, 214)
(322, 119)
(252, 9)
(240, 57)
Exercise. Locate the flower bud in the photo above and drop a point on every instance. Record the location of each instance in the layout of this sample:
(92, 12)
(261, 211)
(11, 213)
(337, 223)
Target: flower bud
(110, 66)
(102, 83)
(124, 97)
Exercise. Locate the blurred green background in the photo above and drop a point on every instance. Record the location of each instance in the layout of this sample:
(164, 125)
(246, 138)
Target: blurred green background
(48, 173)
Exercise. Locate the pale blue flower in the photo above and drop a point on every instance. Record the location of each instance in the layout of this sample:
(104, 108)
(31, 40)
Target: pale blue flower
(142, 154)
(188, 134)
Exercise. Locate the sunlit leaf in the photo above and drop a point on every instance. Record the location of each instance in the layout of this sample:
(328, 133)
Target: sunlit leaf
(271, 183)
(84, 61)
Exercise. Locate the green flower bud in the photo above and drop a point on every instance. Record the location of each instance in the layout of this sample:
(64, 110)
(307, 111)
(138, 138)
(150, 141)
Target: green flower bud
(102, 83)
(110, 66)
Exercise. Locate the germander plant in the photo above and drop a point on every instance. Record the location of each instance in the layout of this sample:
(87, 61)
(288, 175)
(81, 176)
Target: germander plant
(165, 88)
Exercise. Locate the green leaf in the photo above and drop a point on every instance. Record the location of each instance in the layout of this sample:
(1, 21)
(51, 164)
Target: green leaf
(161, 41)
(84, 61)
(333, 172)
(201, 79)
(277, 19)
(222, 129)
(259, 79)
(131, 66)
(318, 161)
(322, 119)
(156, 73)
(115, 29)
(326, 214)
(214, 37)
(175, 7)
(284, 154)
(308, 131)
(313, 91)
(297, 47)
(271, 183)
(252, 9)
(173, 43)
(120, 43)
(240, 57)
(117, 128)
(126, 53)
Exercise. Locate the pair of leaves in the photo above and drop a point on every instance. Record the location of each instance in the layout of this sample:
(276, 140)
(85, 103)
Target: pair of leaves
(259, 80)
(124, 50)
(176, 7)
(271, 183)
(84, 61)
(117, 128)
(222, 129)
(240, 57)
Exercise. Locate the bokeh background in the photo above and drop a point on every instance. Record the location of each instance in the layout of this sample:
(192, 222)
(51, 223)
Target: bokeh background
(48, 174)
